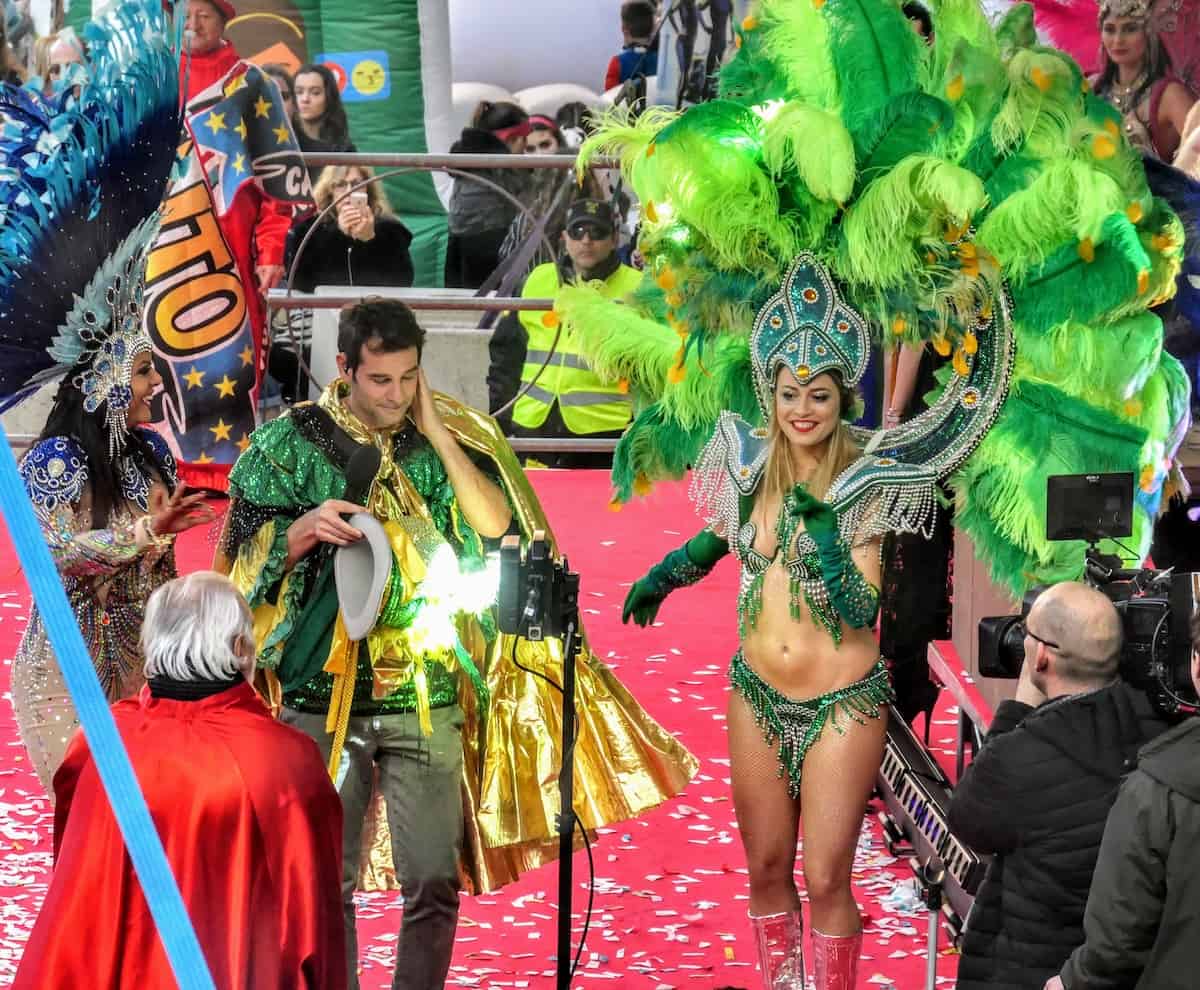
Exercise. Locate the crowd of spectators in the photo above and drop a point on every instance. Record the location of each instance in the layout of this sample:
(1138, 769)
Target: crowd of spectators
(503, 224)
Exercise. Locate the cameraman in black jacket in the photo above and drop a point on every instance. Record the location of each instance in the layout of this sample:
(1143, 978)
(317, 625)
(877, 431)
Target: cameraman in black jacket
(1142, 921)
(1038, 793)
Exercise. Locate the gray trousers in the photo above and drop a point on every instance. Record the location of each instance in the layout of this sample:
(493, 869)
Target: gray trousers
(421, 779)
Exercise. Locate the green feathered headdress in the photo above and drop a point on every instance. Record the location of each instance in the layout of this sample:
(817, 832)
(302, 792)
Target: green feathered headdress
(971, 196)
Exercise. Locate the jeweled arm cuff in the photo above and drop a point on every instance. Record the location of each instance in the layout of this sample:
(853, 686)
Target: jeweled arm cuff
(691, 562)
(91, 553)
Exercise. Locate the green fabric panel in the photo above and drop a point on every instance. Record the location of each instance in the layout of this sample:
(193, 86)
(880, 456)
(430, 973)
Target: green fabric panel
(396, 124)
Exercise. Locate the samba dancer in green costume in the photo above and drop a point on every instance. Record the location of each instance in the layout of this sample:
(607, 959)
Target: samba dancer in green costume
(808, 661)
(970, 194)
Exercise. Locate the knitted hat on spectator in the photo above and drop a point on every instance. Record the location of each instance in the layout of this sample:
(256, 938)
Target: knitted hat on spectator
(225, 9)
(970, 194)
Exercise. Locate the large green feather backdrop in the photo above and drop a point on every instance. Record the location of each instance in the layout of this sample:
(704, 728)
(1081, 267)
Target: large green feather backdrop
(931, 180)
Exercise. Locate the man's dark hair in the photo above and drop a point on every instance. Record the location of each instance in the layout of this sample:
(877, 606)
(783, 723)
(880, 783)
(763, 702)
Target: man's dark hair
(915, 12)
(637, 17)
(382, 325)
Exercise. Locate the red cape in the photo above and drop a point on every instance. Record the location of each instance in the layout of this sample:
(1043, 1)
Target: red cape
(252, 828)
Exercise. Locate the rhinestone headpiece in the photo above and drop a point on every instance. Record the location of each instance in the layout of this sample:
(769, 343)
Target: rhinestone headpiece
(1137, 9)
(807, 326)
(103, 333)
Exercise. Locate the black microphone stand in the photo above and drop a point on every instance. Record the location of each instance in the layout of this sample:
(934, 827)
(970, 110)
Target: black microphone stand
(566, 777)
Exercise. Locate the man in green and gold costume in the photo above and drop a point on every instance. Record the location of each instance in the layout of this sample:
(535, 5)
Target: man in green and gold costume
(430, 723)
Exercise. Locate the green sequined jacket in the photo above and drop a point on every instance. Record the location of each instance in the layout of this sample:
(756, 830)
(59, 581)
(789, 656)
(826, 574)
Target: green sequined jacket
(289, 468)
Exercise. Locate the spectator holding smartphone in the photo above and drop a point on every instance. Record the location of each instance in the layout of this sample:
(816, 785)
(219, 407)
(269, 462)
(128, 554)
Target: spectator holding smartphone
(359, 242)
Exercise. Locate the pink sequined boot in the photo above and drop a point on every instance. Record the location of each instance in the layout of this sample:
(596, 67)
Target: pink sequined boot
(780, 941)
(835, 960)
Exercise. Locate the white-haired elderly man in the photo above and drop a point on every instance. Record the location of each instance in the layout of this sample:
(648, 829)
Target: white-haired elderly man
(250, 821)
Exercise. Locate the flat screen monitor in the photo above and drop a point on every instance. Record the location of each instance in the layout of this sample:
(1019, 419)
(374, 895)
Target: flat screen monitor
(1089, 506)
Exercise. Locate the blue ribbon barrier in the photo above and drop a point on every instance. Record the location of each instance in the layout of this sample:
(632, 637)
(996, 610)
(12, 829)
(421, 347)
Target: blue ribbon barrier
(108, 752)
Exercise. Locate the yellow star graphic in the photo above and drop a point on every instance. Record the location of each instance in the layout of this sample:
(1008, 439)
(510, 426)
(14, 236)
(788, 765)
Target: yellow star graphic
(262, 107)
(194, 378)
(247, 356)
(243, 443)
(241, 129)
(225, 387)
(281, 134)
(215, 122)
(221, 430)
(233, 87)
(204, 458)
(239, 164)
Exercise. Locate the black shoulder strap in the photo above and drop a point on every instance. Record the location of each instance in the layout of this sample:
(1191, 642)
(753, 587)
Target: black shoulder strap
(318, 428)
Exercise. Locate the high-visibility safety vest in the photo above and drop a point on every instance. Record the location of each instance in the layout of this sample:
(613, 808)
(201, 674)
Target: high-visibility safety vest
(587, 403)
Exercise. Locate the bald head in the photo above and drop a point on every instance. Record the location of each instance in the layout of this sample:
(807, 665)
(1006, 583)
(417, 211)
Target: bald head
(1086, 627)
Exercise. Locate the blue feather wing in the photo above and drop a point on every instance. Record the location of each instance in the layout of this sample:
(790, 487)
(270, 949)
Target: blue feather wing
(79, 179)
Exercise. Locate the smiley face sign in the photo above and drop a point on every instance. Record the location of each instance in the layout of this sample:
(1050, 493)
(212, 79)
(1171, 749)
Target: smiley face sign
(361, 76)
(369, 77)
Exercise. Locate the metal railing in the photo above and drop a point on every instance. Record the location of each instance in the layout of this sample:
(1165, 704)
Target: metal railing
(282, 299)
(459, 166)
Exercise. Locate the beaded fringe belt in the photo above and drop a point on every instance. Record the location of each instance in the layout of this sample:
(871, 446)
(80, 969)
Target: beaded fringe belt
(798, 724)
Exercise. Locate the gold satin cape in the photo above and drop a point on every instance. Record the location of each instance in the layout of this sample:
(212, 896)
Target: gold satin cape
(625, 762)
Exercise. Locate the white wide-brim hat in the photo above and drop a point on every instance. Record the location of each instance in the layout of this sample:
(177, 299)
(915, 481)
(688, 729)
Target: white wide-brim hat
(360, 573)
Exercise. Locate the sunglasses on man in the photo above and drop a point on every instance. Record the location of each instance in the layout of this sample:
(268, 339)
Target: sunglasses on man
(595, 232)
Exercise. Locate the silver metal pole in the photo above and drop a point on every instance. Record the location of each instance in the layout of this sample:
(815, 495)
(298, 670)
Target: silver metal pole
(283, 299)
(556, 444)
(931, 962)
(433, 162)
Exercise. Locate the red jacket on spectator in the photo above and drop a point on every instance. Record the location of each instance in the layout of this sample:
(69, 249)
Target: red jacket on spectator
(198, 72)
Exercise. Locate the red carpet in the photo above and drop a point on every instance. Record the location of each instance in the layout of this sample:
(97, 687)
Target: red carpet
(671, 887)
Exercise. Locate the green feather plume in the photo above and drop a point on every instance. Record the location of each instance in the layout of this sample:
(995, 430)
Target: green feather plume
(813, 145)
(1084, 285)
(910, 124)
(1105, 364)
(621, 343)
(796, 39)
(1016, 30)
(1044, 99)
(706, 170)
(876, 55)
(1068, 202)
(957, 23)
(885, 229)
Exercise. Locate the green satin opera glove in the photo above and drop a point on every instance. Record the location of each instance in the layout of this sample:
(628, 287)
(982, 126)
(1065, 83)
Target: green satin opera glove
(681, 567)
(854, 598)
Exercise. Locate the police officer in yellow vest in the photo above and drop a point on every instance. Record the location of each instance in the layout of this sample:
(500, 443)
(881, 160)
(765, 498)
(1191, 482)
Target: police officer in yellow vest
(567, 398)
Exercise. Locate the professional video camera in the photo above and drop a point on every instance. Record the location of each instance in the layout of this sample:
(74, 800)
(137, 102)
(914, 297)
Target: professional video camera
(1155, 606)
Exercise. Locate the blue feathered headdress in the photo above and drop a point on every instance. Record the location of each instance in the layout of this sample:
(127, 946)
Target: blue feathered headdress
(81, 184)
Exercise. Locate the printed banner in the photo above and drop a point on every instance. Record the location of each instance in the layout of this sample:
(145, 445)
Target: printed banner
(207, 334)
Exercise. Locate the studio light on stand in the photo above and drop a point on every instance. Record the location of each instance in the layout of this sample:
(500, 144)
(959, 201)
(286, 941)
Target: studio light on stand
(539, 599)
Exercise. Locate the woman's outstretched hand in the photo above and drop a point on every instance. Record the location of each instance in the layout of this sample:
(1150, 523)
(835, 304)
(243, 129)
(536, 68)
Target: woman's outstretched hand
(643, 601)
(180, 512)
(819, 517)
